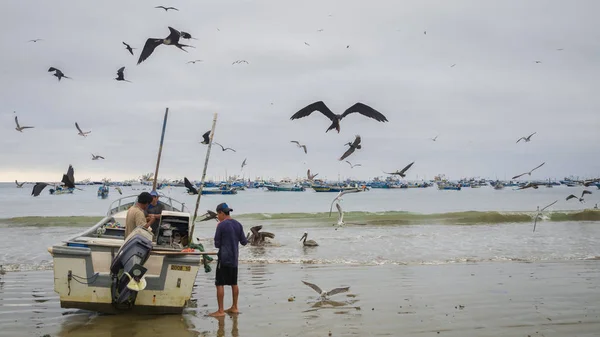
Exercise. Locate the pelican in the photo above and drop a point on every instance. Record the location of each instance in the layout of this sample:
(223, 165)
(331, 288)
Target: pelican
(19, 127)
(361, 108)
(96, 157)
(353, 146)
(526, 139)
(299, 145)
(401, 172)
(81, 133)
(311, 177)
(325, 294)
(19, 185)
(529, 173)
(167, 8)
(308, 243)
(257, 238)
(538, 215)
(209, 215)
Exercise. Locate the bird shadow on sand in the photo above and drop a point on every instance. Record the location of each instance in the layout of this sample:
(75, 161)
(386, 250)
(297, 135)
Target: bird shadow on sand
(330, 304)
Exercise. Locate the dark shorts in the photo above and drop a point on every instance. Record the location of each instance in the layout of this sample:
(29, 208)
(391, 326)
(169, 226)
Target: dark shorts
(226, 275)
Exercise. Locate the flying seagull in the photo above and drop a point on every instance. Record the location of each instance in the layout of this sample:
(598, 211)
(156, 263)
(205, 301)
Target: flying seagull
(152, 43)
(526, 139)
(434, 138)
(353, 146)
(306, 44)
(401, 172)
(119, 190)
(194, 61)
(19, 185)
(325, 294)
(539, 214)
(239, 62)
(244, 163)
(299, 145)
(58, 73)
(224, 148)
(35, 40)
(361, 108)
(81, 133)
(339, 197)
(94, 157)
(19, 127)
(582, 194)
(191, 189)
(167, 8)
(528, 185)
(538, 61)
(120, 75)
(529, 173)
(311, 176)
(352, 166)
(209, 215)
(128, 47)
(205, 139)
(308, 243)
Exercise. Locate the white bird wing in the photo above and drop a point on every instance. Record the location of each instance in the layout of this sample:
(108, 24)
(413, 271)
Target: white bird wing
(334, 200)
(337, 291)
(549, 205)
(314, 286)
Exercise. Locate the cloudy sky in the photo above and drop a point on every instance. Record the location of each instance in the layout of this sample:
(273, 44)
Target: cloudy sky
(494, 94)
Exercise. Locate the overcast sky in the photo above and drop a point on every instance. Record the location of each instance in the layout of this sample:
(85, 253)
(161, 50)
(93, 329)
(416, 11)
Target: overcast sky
(494, 94)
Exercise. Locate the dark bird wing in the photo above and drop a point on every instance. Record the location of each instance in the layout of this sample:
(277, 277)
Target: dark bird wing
(522, 138)
(337, 291)
(17, 121)
(69, 179)
(52, 69)
(174, 36)
(78, 128)
(304, 147)
(205, 136)
(38, 188)
(406, 168)
(365, 110)
(100, 157)
(520, 175)
(316, 106)
(314, 286)
(571, 197)
(585, 192)
(223, 148)
(347, 153)
(120, 71)
(531, 135)
(356, 142)
(189, 185)
(549, 205)
(295, 141)
(537, 167)
(148, 49)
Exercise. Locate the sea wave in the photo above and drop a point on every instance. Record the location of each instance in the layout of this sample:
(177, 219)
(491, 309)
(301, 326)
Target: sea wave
(357, 218)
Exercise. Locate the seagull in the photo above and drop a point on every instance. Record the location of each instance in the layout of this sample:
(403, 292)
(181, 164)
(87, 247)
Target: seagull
(209, 215)
(224, 148)
(352, 166)
(353, 146)
(152, 43)
(96, 157)
(205, 139)
(325, 294)
(58, 73)
(526, 139)
(244, 163)
(452, 66)
(35, 40)
(529, 173)
(81, 133)
(339, 198)
(539, 214)
(167, 8)
(528, 185)
(308, 243)
(434, 138)
(189, 186)
(21, 128)
(361, 108)
(582, 194)
(120, 76)
(299, 145)
(194, 61)
(401, 172)
(119, 190)
(128, 47)
(19, 185)
(240, 61)
(538, 61)
(306, 44)
(311, 176)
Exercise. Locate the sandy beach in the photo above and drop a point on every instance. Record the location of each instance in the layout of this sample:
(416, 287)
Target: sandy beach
(484, 299)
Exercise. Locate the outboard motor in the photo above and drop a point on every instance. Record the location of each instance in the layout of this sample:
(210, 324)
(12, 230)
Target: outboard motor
(127, 268)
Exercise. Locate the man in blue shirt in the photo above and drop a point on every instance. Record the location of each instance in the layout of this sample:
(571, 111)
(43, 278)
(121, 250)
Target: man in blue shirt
(228, 235)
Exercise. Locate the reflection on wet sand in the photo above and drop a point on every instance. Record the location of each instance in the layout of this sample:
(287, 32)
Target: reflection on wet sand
(234, 325)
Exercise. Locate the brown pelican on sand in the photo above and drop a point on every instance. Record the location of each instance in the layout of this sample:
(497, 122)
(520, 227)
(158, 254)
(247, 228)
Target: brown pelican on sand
(325, 294)
(257, 238)
(308, 243)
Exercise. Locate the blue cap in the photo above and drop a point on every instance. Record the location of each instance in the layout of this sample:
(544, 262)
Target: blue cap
(223, 207)
(154, 194)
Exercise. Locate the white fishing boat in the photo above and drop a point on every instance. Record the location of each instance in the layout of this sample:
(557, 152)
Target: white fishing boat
(100, 270)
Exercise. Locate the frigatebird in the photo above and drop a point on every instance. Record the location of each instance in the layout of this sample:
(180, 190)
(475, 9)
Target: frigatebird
(361, 108)
(152, 43)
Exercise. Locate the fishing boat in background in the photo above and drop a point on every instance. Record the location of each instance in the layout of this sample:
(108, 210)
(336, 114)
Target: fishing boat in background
(285, 186)
(103, 192)
(58, 190)
(448, 186)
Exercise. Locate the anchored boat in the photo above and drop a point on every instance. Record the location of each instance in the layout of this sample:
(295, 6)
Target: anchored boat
(102, 271)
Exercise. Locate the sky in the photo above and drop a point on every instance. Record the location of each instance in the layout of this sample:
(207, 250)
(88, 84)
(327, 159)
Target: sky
(494, 94)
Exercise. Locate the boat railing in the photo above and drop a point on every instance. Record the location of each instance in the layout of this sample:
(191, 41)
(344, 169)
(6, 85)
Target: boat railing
(124, 203)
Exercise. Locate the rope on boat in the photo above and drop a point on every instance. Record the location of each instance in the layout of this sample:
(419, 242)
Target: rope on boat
(206, 259)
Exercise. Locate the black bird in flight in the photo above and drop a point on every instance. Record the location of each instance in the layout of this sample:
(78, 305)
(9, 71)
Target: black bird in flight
(353, 146)
(167, 8)
(69, 178)
(361, 108)
(152, 43)
(189, 186)
(38, 188)
(529, 173)
(187, 36)
(205, 138)
(402, 172)
(35, 40)
(224, 148)
(58, 73)
(128, 47)
(120, 76)
(582, 194)
(194, 61)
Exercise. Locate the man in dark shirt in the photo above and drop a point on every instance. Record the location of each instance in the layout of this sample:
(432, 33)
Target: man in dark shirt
(228, 235)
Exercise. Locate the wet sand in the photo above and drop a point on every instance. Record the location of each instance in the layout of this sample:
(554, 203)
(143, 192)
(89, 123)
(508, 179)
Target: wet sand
(483, 299)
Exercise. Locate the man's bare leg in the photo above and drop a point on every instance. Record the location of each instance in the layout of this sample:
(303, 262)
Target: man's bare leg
(220, 295)
(235, 292)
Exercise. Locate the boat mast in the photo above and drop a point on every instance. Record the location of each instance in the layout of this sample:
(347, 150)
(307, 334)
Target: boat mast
(162, 138)
(210, 141)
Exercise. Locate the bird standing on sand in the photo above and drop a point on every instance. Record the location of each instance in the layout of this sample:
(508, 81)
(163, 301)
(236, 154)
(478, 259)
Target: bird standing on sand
(59, 74)
(401, 172)
(128, 47)
(582, 194)
(529, 173)
(308, 243)
(190, 188)
(352, 166)
(324, 295)
(167, 8)
(538, 215)
(120, 75)
(152, 43)
(19, 127)
(361, 108)
(244, 163)
(81, 133)
(205, 138)
(224, 148)
(526, 139)
(299, 145)
(94, 157)
(353, 146)
(19, 185)
(311, 177)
